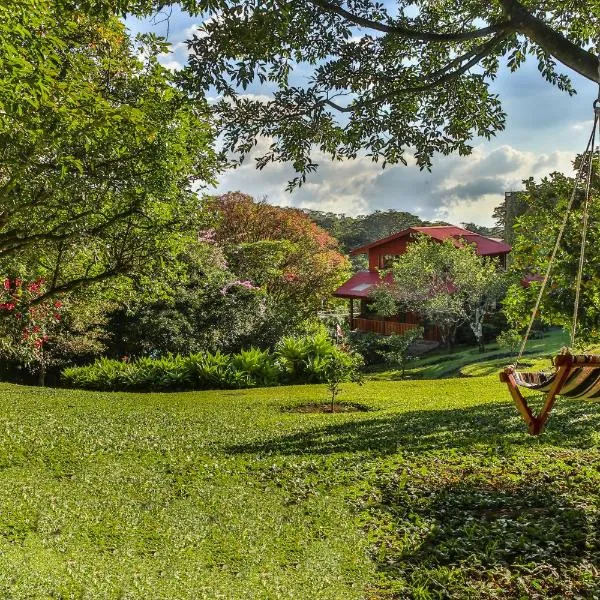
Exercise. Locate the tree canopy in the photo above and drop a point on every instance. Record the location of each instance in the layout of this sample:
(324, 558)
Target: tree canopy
(99, 151)
(389, 80)
(279, 249)
(535, 235)
(448, 285)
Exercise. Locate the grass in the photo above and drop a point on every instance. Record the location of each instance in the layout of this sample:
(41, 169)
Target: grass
(436, 492)
(469, 361)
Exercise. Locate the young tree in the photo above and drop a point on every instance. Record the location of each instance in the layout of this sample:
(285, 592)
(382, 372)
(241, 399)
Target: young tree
(447, 284)
(386, 78)
(398, 345)
(342, 367)
(99, 151)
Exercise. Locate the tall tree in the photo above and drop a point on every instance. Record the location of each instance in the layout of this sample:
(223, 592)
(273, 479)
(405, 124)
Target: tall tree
(535, 235)
(389, 79)
(98, 151)
(279, 249)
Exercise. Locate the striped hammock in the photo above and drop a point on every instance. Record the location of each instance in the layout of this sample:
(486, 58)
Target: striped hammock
(583, 380)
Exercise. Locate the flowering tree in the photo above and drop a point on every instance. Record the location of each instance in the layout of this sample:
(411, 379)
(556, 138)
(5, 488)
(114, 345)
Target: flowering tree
(278, 249)
(26, 319)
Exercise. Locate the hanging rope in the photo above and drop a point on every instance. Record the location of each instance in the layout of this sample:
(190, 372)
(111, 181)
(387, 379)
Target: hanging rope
(584, 228)
(560, 234)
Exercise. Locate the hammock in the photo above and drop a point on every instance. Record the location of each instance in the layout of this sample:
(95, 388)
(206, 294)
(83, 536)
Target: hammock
(575, 376)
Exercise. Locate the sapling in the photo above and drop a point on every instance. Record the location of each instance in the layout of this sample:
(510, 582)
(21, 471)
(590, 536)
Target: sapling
(342, 367)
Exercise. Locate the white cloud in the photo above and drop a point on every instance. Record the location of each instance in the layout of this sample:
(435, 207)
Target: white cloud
(458, 189)
(172, 65)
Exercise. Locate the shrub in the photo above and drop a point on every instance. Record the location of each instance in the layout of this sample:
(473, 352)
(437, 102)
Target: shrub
(296, 360)
(259, 365)
(399, 345)
(510, 340)
(376, 348)
(302, 359)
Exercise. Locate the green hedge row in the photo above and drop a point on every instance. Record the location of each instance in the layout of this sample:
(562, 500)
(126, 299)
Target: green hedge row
(295, 360)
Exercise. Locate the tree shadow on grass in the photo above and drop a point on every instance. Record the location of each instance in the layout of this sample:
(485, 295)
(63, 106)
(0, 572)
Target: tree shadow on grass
(513, 536)
(572, 424)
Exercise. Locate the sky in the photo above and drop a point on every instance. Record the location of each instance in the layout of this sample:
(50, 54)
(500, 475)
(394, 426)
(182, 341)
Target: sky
(545, 129)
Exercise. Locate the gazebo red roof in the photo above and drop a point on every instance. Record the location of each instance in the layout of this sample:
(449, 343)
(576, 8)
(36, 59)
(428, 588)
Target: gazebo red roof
(485, 246)
(361, 284)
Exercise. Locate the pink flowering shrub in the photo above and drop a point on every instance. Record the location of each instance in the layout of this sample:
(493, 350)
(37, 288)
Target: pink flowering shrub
(25, 321)
(208, 236)
(245, 284)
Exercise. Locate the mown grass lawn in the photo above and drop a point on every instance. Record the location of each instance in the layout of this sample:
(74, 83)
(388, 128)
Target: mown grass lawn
(467, 360)
(435, 492)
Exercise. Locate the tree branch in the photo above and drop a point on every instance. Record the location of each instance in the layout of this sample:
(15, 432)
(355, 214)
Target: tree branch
(552, 42)
(448, 77)
(406, 32)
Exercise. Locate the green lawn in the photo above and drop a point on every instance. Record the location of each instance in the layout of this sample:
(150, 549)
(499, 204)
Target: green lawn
(436, 492)
(469, 361)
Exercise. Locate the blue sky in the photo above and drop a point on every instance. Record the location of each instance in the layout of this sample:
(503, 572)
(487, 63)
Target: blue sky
(545, 128)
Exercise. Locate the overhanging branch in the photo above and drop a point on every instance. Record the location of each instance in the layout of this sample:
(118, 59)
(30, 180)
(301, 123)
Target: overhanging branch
(551, 41)
(407, 32)
(447, 77)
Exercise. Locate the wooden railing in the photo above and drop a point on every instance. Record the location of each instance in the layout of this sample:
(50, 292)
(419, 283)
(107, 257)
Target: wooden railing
(389, 327)
(382, 327)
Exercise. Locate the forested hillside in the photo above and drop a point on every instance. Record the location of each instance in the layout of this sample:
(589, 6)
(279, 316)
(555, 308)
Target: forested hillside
(353, 232)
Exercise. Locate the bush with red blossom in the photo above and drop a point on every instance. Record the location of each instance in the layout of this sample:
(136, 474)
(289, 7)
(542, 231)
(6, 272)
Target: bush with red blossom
(25, 318)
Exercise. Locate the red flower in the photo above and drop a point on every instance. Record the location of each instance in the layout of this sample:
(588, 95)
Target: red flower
(58, 304)
(7, 284)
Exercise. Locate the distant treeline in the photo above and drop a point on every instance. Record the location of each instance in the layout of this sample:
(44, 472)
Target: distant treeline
(353, 232)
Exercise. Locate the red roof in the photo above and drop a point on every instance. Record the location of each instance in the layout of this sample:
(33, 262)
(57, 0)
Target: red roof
(361, 284)
(485, 246)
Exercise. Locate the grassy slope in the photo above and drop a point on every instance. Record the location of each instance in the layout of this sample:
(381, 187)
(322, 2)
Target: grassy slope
(436, 492)
(469, 361)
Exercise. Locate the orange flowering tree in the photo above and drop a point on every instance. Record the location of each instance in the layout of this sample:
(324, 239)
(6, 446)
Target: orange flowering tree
(279, 249)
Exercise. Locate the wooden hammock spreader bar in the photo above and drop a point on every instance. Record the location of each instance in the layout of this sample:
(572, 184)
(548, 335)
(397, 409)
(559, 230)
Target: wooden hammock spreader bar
(564, 364)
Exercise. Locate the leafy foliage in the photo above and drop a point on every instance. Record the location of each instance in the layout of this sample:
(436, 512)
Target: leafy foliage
(257, 273)
(100, 152)
(341, 367)
(296, 262)
(26, 319)
(390, 79)
(535, 235)
(306, 359)
(509, 339)
(449, 285)
(399, 345)
(296, 360)
(376, 348)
